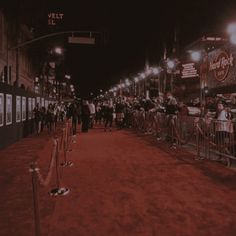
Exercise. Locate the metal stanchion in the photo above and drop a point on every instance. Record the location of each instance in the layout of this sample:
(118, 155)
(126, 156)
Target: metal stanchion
(58, 191)
(66, 162)
(33, 171)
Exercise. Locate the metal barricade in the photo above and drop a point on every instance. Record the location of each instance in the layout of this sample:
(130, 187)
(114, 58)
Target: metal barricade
(207, 138)
(216, 140)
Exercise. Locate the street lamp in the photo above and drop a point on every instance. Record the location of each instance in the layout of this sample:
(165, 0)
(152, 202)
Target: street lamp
(196, 55)
(142, 75)
(170, 64)
(231, 29)
(67, 76)
(233, 38)
(202, 58)
(156, 71)
(58, 50)
(127, 82)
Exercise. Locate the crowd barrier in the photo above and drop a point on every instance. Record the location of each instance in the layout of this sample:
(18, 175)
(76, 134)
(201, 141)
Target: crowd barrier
(61, 145)
(208, 138)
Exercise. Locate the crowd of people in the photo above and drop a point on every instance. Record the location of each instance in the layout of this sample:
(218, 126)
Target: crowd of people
(119, 111)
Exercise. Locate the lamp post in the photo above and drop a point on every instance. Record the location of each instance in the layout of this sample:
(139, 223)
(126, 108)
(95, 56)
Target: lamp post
(171, 64)
(202, 58)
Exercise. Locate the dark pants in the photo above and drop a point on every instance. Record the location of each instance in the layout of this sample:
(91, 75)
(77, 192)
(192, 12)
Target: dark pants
(74, 125)
(85, 124)
(108, 121)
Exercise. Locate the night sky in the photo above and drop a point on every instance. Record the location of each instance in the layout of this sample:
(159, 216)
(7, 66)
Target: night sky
(132, 31)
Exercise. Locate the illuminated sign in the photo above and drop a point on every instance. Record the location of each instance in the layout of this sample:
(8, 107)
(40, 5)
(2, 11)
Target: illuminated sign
(189, 71)
(54, 17)
(220, 65)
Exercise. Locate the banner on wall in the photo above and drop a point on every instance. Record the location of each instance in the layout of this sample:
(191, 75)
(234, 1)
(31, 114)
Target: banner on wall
(8, 109)
(42, 102)
(38, 101)
(46, 104)
(1, 109)
(30, 108)
(18, 109)
(23, 108)
(33, 106)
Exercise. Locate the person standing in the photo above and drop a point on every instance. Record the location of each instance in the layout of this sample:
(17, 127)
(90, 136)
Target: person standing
(92, 111)
(85, 116)
(37, 118)
(73, 114)
(49, 117)
(171, 112)
(108, 115)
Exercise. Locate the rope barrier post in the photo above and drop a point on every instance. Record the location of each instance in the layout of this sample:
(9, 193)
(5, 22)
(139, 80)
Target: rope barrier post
(66, 163)
(58, 191)
(33, 169)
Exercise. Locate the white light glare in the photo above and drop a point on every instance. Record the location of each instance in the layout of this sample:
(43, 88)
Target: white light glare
(170, 64)
(67, 76)
(156, 71)
(231, 29)
(196, 56)
(233, 39)
(127, 82)
(58, 50)
(136, 79)
(148, 71)
(142, 75)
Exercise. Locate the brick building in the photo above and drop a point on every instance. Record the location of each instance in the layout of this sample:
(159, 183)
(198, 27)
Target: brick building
(9, 29)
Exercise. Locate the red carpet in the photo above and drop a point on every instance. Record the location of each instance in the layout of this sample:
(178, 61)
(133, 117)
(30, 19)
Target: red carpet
(121, 184)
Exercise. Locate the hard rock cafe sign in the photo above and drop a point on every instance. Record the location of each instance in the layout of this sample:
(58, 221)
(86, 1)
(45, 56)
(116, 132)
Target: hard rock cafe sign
(220, 65)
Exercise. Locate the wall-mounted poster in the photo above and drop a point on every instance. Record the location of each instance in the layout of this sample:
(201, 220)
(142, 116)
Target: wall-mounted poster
(23, 108)
(33, 106)
(30, 108)
(1, 109)
(46, 104)
(8, 109)
(42, 102)
(38, 101)
(18, 109)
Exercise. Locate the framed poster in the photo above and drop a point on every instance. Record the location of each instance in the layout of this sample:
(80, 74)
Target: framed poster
(8, 109)
(46, 104)
(29, 108)
(38, 101)
(42, 102)
(1, 109)
(23, 108)
(33, 106)
(18, 109)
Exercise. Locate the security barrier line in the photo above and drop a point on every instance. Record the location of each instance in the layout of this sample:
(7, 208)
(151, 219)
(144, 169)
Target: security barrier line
(37, 178)
(212, 139)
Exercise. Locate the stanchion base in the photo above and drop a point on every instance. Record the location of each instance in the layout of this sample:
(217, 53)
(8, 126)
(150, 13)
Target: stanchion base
(59, 192)
(67, 164)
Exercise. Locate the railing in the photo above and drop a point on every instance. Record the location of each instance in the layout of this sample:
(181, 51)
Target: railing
(208, 138)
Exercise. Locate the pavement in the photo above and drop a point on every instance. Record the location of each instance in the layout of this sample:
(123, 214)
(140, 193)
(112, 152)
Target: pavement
(121, 183)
